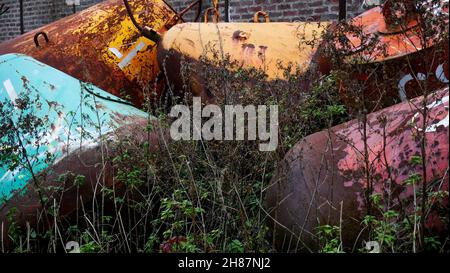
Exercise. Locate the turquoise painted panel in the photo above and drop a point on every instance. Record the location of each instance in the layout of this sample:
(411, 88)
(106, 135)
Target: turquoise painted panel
(76, 114)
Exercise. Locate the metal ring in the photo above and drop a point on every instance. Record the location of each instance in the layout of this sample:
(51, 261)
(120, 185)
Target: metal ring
(36, 38)
(259, 14)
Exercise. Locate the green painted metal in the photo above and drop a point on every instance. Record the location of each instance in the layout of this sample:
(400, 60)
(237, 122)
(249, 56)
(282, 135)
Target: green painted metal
(75, 116)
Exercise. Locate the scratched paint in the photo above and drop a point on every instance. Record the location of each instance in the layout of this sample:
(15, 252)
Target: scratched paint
(398, 40)
(76, 118)
(439, 76)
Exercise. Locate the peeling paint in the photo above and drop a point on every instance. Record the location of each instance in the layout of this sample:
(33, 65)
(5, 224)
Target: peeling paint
(101, 45)
(327, 170)
(67, 104)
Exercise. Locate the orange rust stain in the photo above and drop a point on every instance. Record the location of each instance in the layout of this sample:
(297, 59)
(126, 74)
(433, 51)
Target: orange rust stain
(263, 46)
(397, 41)
(80, 46)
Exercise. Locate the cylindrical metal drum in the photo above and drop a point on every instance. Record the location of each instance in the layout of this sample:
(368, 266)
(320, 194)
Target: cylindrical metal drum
(54, 125)
(266, 46)
(327, 178)
(102, 46)
(392, 62)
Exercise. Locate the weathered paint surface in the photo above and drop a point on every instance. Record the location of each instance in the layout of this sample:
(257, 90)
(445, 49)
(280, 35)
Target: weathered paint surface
(326, 170)
(397, 66)
(251, 45)
(101, 45)
(398, 39)
(399, 79)
(398, 54)
(76, 118)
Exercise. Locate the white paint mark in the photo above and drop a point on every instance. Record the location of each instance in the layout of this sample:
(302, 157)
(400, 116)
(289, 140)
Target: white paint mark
(438, 102)
(406, 40)
(444, 122)
(10, 90)
(401, 87)
(127, 60)
(73, 2)
(116, 52)
(421, 76)
(5, 176)
(440, 74)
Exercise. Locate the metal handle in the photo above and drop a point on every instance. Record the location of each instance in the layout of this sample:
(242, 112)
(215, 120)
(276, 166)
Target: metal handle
(36, 38)
(179, 16)
(216, 17)
(261, 14)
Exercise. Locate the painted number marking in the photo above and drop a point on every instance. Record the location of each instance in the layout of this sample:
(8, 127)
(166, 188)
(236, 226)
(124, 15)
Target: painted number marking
(129, 57)
(72, 247)
(440, 75)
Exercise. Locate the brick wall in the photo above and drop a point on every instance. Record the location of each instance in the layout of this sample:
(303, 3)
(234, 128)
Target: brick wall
(36, 13)
(41, 12)
(292, 10)
(280, 10)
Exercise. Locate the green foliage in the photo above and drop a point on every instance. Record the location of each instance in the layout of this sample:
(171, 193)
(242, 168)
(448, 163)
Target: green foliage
(209, 196)
(330, 239)
(323, 106)
(14, 231)
(236, 246)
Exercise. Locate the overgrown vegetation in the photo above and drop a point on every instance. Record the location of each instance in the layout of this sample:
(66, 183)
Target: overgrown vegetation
(208, 196)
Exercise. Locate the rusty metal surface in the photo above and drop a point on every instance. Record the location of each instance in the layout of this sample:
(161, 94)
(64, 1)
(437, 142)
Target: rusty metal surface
(399, 79)
(397, 65)
(397, 40)
(101, 45)
(396, 71)
(82, 129)
(328, 168)
(88, 163)
(251, 45)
